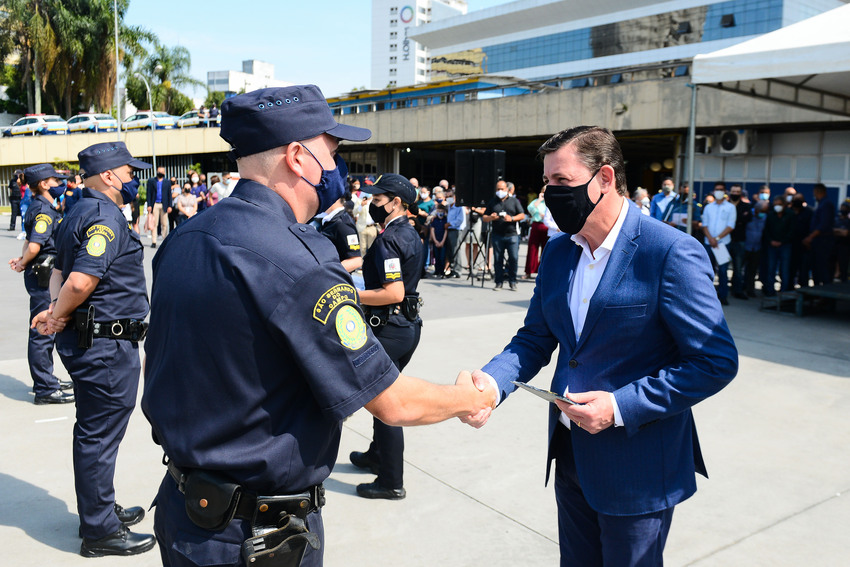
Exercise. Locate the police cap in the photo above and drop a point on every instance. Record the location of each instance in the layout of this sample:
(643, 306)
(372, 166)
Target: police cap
(269, 118)
(36, 173)
(107, 155)
(394, 184)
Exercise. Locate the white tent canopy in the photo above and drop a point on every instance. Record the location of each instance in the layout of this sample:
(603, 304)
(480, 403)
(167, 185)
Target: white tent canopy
(807, 64)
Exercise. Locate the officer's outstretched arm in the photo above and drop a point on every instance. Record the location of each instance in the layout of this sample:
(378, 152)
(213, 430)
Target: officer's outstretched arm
(411, 401)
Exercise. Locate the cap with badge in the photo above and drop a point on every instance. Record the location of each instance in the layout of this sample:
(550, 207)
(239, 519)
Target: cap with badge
(40, 172)
(107, 155)
(394, 184)
(269, 118)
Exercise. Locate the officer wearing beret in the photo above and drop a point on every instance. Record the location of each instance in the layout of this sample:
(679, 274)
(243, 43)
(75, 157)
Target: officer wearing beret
(247, 398)
(36, 261)
(98, 315)
(339, 228)
(391, 271)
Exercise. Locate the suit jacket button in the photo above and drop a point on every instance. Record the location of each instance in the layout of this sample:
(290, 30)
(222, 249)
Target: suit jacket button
(573, 363)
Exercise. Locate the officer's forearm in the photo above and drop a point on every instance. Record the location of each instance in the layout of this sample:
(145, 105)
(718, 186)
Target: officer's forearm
(411, 401)
(389, 294)
(351, 264)
(76, 289)
(31, 250)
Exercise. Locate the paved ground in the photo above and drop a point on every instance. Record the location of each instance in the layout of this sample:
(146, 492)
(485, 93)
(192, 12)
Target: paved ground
(775, 442)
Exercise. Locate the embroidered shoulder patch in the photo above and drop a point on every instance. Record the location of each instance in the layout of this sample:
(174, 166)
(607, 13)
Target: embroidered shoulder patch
(353, 242)
(96, 245)
(102, 230)
(350, 327)
(42, 221)
(337, 295)
(392, 268)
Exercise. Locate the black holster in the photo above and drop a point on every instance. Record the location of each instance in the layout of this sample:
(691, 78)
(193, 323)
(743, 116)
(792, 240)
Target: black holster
(210, 500)
(282, 547)
(410, 307)
(42, 268)
(84, 324)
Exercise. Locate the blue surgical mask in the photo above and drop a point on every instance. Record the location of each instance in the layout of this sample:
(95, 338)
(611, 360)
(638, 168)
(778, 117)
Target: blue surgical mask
(57, 191)
(332, 184)
(764, 196)
(128, 190)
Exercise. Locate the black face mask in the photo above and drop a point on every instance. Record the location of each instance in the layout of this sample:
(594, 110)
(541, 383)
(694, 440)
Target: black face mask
(570, 205)
(160, 175)
(378, 214)
(734, 198)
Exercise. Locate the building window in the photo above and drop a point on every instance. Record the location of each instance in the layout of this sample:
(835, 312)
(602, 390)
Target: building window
(420, 59)
(422, 10)
(392, 71)
(392, 83)
(393, 46)
(393, 10)
(393, 59)
(393, 23)
(393, 35)
(420, 72)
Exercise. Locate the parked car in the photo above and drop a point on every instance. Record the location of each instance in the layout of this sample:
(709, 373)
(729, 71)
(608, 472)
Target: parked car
(190, 120)
(142, 121)
(91, 122)
(37, 124)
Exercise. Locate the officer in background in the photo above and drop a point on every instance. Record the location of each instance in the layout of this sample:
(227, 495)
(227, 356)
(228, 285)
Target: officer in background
(339, 227)
(247, 399)
(391, 271)
(15, 197)
(99, 268)
(36, 261)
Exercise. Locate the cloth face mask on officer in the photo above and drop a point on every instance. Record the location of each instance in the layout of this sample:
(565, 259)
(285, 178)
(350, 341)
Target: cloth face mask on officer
(128, 189)
(332, 184)
(379, 213)
(570, 205)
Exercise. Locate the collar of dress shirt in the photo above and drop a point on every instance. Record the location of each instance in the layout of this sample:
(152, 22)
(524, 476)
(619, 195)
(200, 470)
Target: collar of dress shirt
(607, 244)
(332, 214)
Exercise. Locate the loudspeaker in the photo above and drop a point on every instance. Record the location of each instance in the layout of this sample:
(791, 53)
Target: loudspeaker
(476, 174)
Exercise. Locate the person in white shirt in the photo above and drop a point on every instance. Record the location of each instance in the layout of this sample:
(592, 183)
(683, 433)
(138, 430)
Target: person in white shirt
(718, 222)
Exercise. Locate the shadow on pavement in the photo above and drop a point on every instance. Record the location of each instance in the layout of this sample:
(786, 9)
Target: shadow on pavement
(14, 389)
(41, 516)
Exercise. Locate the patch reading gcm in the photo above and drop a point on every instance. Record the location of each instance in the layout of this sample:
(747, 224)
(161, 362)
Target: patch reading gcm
(333, 298)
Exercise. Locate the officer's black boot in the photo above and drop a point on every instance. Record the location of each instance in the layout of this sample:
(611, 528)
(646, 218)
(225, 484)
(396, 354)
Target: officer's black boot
(122, 542)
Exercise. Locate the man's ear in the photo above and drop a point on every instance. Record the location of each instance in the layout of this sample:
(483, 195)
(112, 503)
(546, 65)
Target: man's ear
(294, 157)
(606, 178)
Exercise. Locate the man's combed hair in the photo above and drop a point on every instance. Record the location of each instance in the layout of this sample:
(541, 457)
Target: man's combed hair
(595, 147)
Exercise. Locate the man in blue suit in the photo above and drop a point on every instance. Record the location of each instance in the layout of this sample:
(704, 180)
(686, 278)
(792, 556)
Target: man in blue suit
(627, 455)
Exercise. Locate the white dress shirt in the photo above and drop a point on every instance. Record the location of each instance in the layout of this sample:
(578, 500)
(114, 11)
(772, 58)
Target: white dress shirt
(588, 274)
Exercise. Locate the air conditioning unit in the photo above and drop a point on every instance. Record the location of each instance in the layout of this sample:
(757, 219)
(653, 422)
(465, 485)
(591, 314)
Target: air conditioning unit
(735, 141)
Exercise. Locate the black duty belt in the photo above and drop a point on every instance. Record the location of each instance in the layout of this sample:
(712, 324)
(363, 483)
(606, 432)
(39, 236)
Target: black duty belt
(259, 510)
(128, 329)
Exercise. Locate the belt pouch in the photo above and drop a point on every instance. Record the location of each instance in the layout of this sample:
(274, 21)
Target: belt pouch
(84, 323)
(210, 500)
(284, 547)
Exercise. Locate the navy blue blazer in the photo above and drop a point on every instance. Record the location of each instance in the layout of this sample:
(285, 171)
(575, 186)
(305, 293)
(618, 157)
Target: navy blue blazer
(165, 195)
(655, 336)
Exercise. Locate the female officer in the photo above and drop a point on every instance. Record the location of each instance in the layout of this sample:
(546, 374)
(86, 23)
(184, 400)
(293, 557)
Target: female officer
(37, 258)
(391, 271)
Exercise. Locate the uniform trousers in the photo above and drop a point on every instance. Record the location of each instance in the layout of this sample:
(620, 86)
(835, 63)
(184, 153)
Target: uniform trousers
(39, 347)
(160, 221)
(592, 539)
(183, 544)
(16, 212)
(387, 447)
(106, 380)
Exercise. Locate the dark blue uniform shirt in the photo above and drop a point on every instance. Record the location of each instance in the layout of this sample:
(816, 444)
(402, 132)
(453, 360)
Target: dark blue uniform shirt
(254, 376)
(40, 224)
(342, 232)
(95, 239)
(395, 255)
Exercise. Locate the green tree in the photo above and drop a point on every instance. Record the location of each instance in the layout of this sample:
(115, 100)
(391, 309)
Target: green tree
(165, 68)
(214, 98)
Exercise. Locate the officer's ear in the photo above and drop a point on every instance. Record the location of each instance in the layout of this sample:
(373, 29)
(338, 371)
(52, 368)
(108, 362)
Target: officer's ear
(294, 157)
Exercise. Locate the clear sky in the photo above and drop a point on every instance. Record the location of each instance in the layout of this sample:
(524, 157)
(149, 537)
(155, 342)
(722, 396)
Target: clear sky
(324, 42)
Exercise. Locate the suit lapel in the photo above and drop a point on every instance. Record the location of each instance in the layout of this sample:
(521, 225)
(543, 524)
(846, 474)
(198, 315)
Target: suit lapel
(564, 292)
(621, 256)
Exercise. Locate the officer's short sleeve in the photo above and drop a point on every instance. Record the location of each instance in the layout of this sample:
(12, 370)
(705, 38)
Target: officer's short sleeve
(42, 227)
(387, 260)
(341, 360)
(99, 245)
(347, 241)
